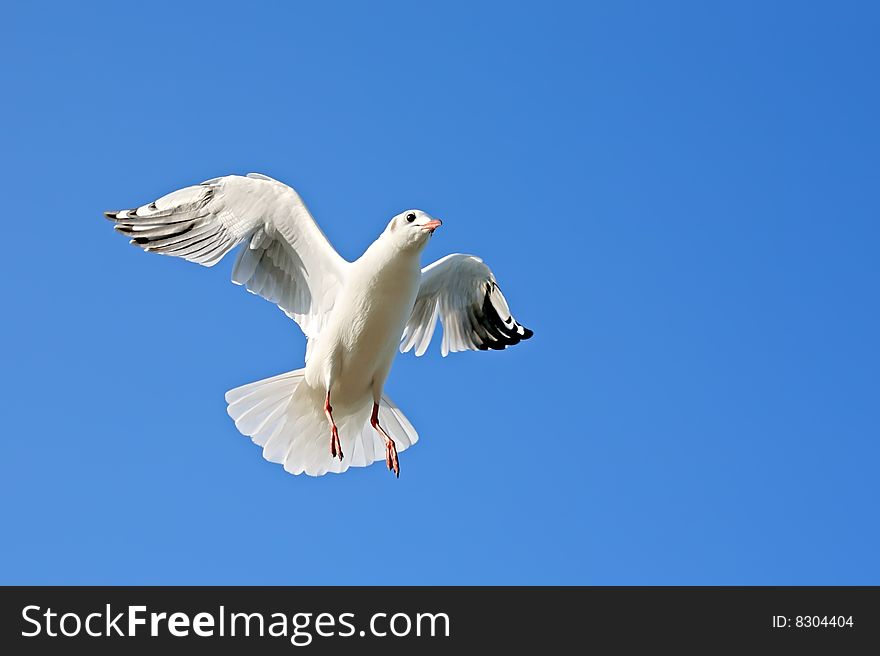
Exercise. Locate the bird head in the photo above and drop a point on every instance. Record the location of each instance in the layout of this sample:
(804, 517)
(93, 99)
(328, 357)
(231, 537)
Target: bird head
(411, 229)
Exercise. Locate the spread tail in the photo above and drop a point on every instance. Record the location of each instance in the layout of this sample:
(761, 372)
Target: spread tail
(285, 418)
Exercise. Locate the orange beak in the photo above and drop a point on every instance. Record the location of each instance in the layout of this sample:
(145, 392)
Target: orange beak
(432, 225)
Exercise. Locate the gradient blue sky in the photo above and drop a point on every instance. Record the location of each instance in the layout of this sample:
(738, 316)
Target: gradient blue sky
(681, 201)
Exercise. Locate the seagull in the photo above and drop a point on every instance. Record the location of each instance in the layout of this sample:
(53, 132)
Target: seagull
(355, 315)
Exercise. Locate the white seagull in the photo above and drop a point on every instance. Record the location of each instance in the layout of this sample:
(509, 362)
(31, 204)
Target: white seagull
(354, 314)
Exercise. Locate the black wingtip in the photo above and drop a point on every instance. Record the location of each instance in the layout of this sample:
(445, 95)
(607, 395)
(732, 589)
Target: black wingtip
(111, 214)
(527, 333)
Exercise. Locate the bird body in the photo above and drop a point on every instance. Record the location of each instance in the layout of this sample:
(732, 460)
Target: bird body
(354, 354)
(355, 315)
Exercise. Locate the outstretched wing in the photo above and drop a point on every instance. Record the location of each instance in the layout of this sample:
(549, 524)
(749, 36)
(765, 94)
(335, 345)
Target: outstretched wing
(286, 259)
(462, 292)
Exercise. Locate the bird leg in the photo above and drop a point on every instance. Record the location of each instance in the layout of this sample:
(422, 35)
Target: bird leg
(390, 447)
(335, 444)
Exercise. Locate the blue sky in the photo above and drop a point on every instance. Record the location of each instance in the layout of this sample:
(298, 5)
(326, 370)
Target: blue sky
(681, 201)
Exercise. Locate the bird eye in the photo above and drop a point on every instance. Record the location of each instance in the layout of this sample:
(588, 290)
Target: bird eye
(410, 217)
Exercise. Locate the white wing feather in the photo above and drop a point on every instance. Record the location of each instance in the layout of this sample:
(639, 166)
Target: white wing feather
(287, 260)
(461, 290)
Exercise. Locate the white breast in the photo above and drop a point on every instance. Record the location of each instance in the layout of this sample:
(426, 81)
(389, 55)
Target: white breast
(355, 350)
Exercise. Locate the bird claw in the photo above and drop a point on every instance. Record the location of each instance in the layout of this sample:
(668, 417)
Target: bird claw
(391, 457)
(390, 447)
(335, 443)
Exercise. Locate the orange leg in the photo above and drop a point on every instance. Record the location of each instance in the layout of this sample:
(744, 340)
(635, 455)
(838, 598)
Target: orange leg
(335, 444)
(390, 448)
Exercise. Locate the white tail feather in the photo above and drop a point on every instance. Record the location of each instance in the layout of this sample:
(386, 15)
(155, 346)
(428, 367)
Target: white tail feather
(287, 420)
